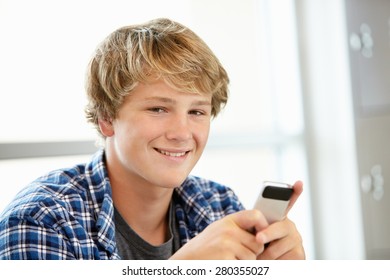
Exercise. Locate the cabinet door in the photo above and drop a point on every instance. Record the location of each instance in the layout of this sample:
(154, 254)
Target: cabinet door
(368, 26)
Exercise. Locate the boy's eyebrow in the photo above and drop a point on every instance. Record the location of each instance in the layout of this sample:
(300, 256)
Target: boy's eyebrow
(160, 98)
(202, 102)
(199, 102)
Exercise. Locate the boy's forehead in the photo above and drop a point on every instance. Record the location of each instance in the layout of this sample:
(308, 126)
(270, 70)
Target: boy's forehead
(164, 92)
(160, 92)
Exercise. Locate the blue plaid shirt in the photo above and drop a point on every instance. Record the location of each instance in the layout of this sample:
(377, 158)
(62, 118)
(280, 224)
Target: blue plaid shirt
(69, 214)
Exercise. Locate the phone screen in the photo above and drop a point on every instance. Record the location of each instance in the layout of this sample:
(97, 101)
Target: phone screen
(277, 193)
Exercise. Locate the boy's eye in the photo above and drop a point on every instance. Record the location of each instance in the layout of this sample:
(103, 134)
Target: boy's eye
(156, 110)
(197, 112)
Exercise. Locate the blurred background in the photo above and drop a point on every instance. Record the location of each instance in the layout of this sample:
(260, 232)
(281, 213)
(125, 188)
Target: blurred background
(309, 100)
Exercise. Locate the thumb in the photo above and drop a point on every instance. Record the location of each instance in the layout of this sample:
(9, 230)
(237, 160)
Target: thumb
(298, 189)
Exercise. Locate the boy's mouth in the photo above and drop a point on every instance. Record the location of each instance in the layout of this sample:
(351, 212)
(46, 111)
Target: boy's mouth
(171, 154)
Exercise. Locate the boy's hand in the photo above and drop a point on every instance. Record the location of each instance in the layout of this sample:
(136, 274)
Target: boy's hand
(229, 238)
(242, 235)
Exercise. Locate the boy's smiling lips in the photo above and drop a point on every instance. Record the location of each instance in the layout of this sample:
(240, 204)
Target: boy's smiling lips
(173, 153)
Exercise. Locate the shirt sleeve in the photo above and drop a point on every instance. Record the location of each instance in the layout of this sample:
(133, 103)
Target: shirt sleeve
(27, 239)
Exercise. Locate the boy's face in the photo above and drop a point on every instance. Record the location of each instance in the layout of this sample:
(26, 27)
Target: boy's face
(158, 135)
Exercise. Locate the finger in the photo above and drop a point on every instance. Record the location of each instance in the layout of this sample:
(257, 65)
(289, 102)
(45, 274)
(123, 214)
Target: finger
(236, 238)
(285, 248)
(249, 241)
(276, 249)
(244, 253)
(275, 231)
(285, 241)
(243, 246)
(249, 220)
(298, 189)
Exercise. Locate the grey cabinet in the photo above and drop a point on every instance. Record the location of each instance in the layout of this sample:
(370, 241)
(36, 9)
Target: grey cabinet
(368, 26)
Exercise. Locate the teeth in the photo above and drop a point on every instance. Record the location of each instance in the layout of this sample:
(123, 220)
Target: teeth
(172, 154)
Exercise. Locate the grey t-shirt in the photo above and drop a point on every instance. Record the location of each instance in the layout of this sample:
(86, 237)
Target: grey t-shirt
(132, 247)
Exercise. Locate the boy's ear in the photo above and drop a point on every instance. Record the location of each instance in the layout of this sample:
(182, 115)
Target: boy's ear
(106, 127)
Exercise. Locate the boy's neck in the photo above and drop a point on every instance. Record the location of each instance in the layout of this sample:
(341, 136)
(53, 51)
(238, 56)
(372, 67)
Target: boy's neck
(144, 209)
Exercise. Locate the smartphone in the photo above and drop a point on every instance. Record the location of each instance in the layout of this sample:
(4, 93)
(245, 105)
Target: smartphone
(273, 200)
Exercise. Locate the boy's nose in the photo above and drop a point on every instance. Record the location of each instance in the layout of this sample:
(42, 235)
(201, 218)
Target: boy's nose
(179, 129)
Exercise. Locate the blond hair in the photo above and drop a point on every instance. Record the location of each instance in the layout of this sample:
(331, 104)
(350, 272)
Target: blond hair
(158, 49)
